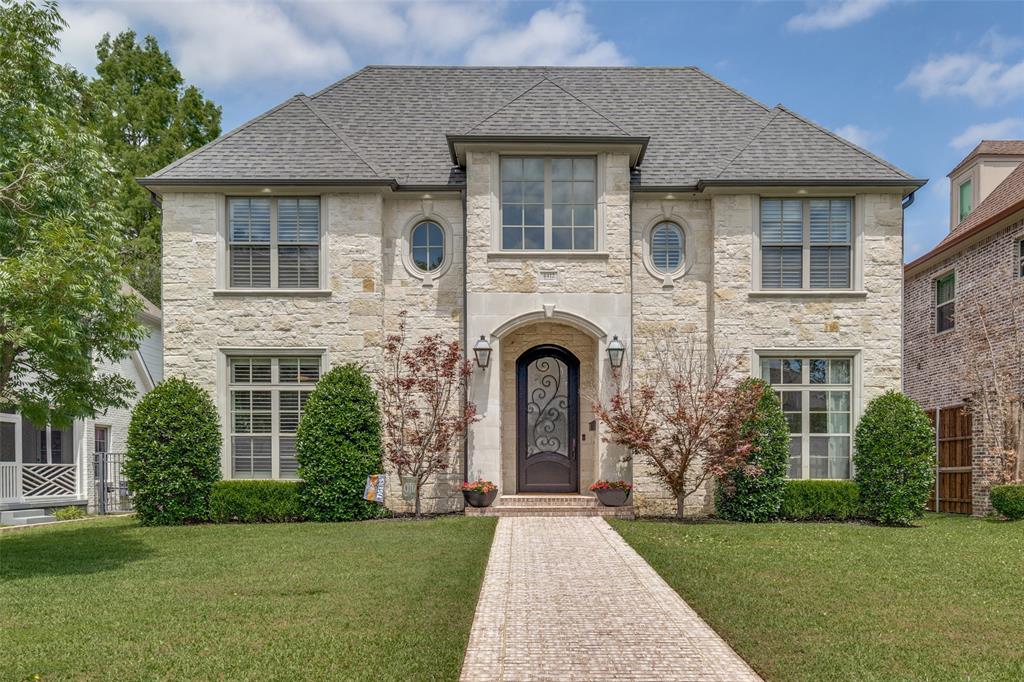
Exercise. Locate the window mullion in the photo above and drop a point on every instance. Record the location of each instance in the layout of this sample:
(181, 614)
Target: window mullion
(805, 264)
(547, 204)
(273, 244)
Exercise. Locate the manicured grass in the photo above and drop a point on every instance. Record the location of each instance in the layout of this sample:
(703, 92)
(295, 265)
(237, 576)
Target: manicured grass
(944, 601)
(109, 600)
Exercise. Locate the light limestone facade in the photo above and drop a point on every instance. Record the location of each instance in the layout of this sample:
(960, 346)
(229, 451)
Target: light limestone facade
(577, 300)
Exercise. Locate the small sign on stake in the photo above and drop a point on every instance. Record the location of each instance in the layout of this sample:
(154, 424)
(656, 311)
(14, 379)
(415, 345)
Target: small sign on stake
(374, 491)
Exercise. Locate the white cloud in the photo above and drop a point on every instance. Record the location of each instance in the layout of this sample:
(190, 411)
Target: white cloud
(86, 25)
(1008, 128)
(559, 36)
(218, 42)
(862, 137)
(372, 23)
(837, 14)
(983, 75)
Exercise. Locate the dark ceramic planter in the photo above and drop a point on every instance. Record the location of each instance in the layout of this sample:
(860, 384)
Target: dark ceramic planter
(612, 498)
(479, 499)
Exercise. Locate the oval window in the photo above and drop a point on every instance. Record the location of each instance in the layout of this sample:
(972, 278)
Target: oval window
(427, 248)
(666, 247)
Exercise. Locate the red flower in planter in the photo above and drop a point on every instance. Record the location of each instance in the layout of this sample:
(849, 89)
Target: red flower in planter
(481, 486)
(611, 485)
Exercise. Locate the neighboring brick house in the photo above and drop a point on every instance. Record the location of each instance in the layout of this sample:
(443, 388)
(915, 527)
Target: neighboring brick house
(42, 467)
(980, 261)
(548, 211)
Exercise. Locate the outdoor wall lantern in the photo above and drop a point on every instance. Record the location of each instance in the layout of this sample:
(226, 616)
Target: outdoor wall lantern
(482, 351)
(616, 350)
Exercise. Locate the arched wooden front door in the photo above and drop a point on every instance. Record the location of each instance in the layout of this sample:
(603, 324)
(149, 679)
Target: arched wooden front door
(547, 421)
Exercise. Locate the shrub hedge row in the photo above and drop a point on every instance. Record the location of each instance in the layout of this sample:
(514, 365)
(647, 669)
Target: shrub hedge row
(1008, 500)
(256, 502)
(820, 501)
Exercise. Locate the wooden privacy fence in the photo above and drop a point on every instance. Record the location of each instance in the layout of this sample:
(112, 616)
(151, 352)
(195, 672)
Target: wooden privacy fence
(953, 460)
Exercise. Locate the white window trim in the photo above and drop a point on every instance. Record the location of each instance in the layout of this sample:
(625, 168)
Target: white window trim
(224, 399)
(856, 381)
(405, 248)
(856, 287)
(223, 275)
(668, 278)
(935, 301)
(599, 249)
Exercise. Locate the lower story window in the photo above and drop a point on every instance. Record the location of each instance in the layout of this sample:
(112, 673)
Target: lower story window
(267, 397)
(816, 395)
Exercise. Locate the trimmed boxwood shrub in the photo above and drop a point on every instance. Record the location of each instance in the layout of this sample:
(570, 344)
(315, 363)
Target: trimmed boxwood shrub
(1008, 500)
(173, 454)
(338, 446)
(745, 495)
(256, 502)
(894, 459)
(820, 501)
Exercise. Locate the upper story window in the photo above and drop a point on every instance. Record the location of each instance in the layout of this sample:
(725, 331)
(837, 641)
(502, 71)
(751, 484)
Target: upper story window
(667, 243)
(806, 243)
(427, 246)
(945, 303)
(966, 198)
(548, 203)
(274, 242)
(1020, 258)
(816, 396)
(267, 397)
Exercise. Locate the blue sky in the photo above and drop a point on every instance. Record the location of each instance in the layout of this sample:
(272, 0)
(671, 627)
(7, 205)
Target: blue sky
(916, 82)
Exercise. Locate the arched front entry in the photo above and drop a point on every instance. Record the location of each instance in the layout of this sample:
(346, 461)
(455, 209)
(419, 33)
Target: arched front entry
(547, 420)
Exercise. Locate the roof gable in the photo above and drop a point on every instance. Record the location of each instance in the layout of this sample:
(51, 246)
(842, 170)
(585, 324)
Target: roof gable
(290, 142)
(787, 147)
(546, 109)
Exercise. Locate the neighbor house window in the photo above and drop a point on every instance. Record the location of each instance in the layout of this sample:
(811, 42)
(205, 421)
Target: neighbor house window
(806, 243)
(101, 439)
(267, 396)
(427, 246)
(274, 242)
(548, 203)
(1020, 258)
(945, 305)
(966, 198)
(666, 244)
(816, 396)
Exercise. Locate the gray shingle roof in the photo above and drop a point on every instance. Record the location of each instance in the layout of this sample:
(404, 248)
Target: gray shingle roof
(391, 122)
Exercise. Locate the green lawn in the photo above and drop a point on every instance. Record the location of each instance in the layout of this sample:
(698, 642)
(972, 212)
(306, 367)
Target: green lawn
(944, 601)
(110, 600)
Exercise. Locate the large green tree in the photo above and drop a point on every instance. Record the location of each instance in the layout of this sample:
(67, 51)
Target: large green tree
(61, 300)
(147, 118)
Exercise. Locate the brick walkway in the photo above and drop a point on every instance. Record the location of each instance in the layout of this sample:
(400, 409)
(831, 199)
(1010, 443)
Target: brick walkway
(568, 599)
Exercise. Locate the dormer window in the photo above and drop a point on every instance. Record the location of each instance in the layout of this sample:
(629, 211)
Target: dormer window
(548, 203)
(966, 198)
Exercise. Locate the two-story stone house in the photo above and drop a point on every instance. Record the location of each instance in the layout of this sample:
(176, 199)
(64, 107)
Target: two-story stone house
(976, 271)
(547, 213)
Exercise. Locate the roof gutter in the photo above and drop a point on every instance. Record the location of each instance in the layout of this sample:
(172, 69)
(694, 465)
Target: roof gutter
(916, 183)
(641, 140)
(965, 235)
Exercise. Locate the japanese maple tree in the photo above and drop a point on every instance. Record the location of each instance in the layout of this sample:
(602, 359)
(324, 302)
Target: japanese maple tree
(681, 412)
(424, 412)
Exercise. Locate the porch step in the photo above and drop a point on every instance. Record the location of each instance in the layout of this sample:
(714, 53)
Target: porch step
(25, 517)
(549, 505)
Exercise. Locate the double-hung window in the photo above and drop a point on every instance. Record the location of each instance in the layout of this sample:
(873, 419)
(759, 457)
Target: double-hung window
(274, 242)
(816, 395)
(806, 243)
(267, 397)
(1020, 257)
(945, 302)
(548, 203)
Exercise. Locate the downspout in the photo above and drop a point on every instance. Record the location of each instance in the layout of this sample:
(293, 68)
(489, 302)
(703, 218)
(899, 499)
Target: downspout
(465, 326)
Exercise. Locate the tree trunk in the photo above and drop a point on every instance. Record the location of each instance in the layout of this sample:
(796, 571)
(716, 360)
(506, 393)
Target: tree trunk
(680, 507)
(418, 486)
